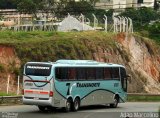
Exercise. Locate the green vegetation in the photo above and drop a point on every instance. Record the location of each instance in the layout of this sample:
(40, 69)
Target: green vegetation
(2, 69)
(51, 46)
(9, 37)
(142, 98)
(141, 16)
(7, 4)
(5, 94)
(60, 8)
(145, 21)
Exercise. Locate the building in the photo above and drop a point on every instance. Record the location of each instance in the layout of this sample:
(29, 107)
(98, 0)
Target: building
(122, 4)
(145, 3)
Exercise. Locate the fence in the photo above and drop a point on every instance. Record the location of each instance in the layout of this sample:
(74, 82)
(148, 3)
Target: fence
(7, 100)
(32, 27)
(117, 24)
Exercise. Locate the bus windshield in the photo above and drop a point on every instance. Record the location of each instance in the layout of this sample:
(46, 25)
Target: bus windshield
(38, 69)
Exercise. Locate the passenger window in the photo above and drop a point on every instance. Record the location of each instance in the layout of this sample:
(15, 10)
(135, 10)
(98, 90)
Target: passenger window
(107, 73)
(71, 73)
(81, 73)
(61, 73)
(115, 73)
(99, 73)
(91, 75)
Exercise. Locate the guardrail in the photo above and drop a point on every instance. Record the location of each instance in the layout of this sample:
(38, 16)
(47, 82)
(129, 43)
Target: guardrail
(143, 97)
(142, 94)
(8, 100)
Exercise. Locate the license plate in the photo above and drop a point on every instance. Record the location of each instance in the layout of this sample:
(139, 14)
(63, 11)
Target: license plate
(36, 98)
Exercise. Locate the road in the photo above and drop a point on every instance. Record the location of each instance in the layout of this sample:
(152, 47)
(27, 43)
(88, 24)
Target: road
(26, 111)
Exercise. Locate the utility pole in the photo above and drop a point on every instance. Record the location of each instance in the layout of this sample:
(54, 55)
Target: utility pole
(123, 23)
(130, 25)
(120, 24)
(126, 24)
(89, 22)
(106, 22)
(114, 24)
(95, 21)
(82, 16)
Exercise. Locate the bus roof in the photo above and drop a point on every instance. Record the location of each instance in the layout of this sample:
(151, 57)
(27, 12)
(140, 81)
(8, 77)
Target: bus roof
(77, 63)
(84, 63)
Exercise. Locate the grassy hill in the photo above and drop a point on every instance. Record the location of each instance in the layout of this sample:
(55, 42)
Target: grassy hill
(50, 46)
(94, 45)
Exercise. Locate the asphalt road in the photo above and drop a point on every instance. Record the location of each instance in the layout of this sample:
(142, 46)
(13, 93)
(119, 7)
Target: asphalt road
(125, 109)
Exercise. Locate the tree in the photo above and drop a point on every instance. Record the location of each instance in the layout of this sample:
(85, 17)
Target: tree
(141, 16)
(77, 8)
(7, 4)
(156, 5)
(34, 6)
(28, 6)
(93, 2)
(155, 28)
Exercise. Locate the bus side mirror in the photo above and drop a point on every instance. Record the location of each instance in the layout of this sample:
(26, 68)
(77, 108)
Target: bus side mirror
(129, 78)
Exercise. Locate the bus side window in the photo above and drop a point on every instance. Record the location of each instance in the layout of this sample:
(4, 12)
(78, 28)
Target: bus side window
(99, 73)
(57, 73)
(107, 73)
(71, 73)
(91, 73)
(62, 73)
(81, 73)
(115, 73)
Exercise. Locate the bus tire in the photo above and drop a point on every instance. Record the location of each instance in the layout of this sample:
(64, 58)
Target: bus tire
(68, 105)
(76, 104)
(42, 108)
(115, 103)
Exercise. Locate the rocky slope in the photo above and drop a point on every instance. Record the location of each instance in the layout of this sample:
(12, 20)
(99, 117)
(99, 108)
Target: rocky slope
(140, 55)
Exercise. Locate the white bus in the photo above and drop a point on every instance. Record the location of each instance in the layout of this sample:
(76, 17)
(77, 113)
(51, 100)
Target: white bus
(70, 84)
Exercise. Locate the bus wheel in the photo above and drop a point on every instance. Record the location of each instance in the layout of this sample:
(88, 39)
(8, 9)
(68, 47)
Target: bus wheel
(68, 105)
(76, 104)
(42, 108)
(115, 104)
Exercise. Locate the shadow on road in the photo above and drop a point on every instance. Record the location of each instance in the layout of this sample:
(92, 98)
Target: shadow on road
(84, 108)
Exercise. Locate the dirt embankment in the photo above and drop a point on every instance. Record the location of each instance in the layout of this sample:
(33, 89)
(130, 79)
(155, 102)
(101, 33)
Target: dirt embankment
(9, 62)
(144, 61)
(140, 56)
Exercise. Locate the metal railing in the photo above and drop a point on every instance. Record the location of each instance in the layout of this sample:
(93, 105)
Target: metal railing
(142, 94)
(10, 100)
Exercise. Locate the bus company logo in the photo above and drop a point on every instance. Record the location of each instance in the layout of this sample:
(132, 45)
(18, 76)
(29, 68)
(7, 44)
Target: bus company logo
(28, 84)
(88, 84)
(38, 67)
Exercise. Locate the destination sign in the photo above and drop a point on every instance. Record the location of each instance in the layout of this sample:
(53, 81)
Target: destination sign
(38, 67)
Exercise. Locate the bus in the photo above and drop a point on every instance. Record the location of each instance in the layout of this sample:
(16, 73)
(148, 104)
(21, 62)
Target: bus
(70, 84)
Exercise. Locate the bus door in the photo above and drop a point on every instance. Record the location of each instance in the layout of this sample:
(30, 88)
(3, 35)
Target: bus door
(37, 81)
(123, 79)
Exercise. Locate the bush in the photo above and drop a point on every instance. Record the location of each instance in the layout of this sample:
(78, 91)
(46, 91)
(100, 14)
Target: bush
(2, 69)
